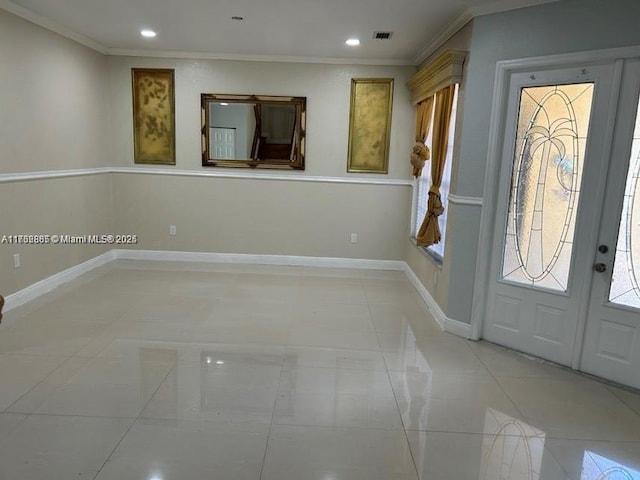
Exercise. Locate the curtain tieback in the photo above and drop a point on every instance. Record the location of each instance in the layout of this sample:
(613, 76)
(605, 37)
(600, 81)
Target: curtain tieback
(419, 154)
(434, 207)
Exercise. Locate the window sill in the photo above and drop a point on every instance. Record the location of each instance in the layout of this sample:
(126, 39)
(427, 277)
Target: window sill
(432, 256)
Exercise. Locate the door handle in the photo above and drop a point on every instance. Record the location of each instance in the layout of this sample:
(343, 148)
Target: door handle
(600, 267)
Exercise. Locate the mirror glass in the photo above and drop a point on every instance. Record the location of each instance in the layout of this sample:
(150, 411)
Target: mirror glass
(253, 131)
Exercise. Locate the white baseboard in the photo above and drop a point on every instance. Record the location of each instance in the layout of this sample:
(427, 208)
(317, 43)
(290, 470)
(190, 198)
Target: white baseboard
(242, 258)
(447, 324)
(46, 285)
(456, 327)
(43, 286)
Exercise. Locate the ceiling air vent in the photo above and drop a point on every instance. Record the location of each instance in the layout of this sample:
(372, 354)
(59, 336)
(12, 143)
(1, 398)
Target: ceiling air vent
(382, 35)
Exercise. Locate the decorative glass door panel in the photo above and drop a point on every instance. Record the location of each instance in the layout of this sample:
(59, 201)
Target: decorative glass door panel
(552, 128)
(554, 149)
(625, 286)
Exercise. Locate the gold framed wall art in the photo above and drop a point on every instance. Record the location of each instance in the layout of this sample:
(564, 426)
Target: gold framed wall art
(154, 130)
(370, 125)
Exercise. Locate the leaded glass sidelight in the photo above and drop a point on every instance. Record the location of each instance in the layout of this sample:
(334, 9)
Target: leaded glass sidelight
(553, 123)
(625, 289)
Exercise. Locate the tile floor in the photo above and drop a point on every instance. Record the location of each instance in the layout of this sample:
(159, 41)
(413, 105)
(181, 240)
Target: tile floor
(163, 371)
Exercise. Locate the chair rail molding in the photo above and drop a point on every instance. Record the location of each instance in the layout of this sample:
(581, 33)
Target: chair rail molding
(293, 177)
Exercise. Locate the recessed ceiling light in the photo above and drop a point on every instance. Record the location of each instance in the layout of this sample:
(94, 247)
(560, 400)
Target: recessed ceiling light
(148, 33)
(353, 42)
(219, 362)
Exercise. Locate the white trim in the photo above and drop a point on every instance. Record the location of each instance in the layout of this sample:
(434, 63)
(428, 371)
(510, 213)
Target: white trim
(465, 17)
(464, 200)
(293, 177)
(55, 27)
(242, 258)
(48, 24)
(123, 52)
(456, 327)
(46, 285)
(445, 34)
(447, 324)
(414, 207)
(487, 215)
(590, 57)
(49, 174)
(496, 127)
(506, 5)
(583, 310)
(438, 40)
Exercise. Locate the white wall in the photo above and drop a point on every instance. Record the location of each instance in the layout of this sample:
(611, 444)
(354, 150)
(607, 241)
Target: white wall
(327, 88)
(64, 106)
(52, 100)
(53, 115)
(265, 216)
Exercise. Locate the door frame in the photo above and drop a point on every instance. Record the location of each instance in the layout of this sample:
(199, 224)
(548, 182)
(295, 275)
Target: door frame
(504, 70)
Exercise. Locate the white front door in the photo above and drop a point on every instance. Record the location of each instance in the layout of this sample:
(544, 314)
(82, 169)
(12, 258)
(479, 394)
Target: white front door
(554, 157)
(612, 338)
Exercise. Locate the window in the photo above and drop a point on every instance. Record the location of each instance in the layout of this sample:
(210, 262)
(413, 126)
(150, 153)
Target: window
(424, 183)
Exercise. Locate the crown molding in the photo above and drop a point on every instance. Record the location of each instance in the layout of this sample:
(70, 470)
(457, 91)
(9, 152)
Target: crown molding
(257, 58)
(465, 17)
(55, 27)
(506, 5)
(445, 34)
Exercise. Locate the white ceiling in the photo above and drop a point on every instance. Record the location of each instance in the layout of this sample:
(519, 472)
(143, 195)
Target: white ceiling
(306, 29)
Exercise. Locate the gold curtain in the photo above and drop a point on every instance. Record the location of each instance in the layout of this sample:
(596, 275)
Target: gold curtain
(420, 152)
(429, 232)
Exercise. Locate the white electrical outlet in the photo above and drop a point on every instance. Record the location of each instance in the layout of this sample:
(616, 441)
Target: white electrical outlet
(354, 238)
(16, 261)
(172, 230)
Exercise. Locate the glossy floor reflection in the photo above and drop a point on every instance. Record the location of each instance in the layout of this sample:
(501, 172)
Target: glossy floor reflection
(162, 371)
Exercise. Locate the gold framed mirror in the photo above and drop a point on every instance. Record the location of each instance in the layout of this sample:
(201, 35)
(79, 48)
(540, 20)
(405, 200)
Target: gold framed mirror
(253, 131)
